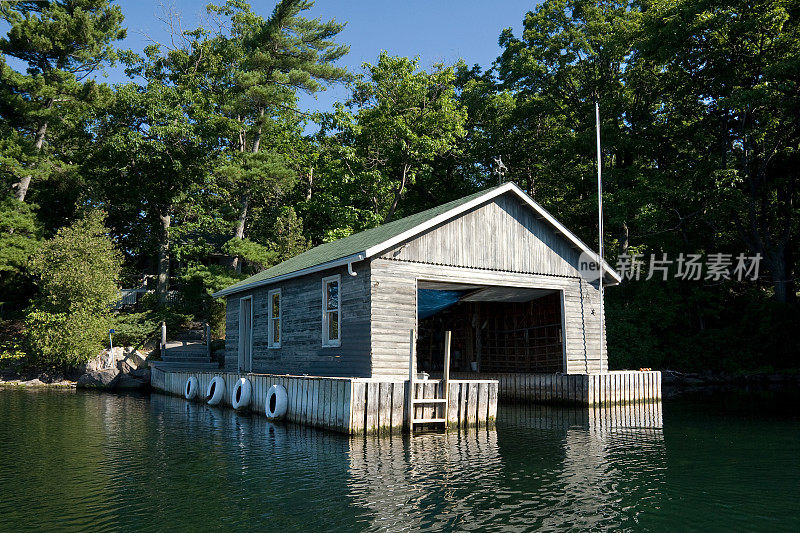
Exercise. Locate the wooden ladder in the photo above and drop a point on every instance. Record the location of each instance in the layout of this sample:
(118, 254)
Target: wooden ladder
(438, 403)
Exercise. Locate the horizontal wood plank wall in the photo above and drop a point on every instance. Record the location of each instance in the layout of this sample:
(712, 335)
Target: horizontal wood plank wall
(394, 311)
(616, 387)
(301, 350)
(345, 405)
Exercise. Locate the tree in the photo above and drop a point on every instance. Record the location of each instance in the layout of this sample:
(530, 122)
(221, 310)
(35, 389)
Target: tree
(571, 54)
(78, 277)
(63, 43)
(267, 61)
(19, 235)
(404, 118)
(152, 149)
(729, 87)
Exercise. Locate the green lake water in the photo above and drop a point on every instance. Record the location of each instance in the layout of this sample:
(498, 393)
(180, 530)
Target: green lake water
(81, 460)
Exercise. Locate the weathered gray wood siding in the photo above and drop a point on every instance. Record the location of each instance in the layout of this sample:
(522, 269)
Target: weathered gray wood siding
(301, 350)
(503, 234)
(499, 243)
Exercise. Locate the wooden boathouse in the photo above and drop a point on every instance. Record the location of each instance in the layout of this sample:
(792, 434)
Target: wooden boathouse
(495, 268)
(489, 290)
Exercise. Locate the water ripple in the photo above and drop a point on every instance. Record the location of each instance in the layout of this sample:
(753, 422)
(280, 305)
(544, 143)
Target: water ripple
(84, 461)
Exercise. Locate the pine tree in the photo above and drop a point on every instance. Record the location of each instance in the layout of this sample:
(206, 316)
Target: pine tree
(269, 61)
(63, 43)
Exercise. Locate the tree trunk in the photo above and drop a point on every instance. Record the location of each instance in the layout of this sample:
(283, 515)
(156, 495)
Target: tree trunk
(623, 238)
(397, 195)
(780, 270)
(257, 137)
(236, 262)
(162, 287)
(238, 233)
(310, 184)
(24, 184)
(22, 187)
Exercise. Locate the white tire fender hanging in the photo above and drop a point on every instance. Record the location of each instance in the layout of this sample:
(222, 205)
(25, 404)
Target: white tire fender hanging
(277, 402)
(190, 392)
(215, 391)
(240, 397)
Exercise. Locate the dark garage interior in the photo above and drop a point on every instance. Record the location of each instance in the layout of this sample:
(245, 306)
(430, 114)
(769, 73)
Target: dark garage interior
(494, 329)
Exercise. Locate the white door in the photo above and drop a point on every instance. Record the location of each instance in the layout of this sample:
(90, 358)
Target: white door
(246, 334)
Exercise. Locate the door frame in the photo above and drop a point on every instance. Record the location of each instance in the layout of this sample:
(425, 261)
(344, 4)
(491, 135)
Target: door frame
(242, 364)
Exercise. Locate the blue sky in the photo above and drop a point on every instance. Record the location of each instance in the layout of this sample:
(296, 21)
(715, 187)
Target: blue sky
(435, 30)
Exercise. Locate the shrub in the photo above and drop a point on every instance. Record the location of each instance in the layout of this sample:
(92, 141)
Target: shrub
(79, 268)
(78, 272)
(199, 283)
(66, 339)
(135, 329)
(12, 353)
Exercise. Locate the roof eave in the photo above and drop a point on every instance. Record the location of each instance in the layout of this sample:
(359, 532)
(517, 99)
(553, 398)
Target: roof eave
(297, 273)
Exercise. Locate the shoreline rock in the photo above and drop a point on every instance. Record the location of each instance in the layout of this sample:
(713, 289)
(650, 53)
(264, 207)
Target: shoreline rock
(99, 379)
(123, 369)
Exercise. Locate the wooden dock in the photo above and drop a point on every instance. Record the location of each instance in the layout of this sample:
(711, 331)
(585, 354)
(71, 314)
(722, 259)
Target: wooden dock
(608, 388)
(351, 405)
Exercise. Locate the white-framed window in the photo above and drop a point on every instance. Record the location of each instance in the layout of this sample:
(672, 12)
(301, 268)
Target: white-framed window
(275, 311)
(331, 311)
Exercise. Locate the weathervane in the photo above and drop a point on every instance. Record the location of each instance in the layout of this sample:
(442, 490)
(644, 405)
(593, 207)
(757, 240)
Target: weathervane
(499, 169)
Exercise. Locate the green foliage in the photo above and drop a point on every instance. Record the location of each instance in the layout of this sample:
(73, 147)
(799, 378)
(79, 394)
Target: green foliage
(404, 119)
(256, 254)
(78, 272)
(287, 235)
(65, 339)
(199, 283)
(19, 235)
(135, 329)
(12, 349)
(62, 43)
(78, 269)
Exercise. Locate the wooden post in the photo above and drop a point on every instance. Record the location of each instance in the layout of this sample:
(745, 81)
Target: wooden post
(412, 371)
(478, 333)
(163, 338)
(446, 375)
(207, 331)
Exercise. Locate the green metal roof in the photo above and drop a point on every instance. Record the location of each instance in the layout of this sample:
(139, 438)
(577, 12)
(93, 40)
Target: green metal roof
(348, 246)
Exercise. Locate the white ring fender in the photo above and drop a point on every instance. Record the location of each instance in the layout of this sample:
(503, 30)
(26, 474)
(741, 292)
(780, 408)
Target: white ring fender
(191, 388)
(240, 397)
(215, 391)
(277, 402)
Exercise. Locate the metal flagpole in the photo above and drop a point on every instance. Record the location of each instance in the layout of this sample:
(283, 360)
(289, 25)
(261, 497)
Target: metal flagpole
(600, 223)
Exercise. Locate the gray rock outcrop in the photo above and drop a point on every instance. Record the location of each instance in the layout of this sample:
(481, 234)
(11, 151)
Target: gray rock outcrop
(99, 379)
